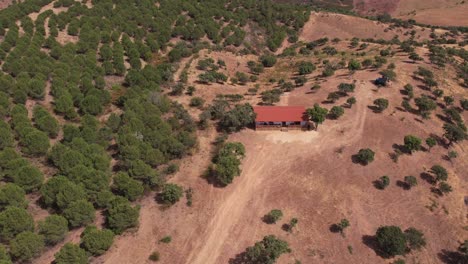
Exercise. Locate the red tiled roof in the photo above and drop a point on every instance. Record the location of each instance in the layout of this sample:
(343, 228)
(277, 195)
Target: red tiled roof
(279, 113)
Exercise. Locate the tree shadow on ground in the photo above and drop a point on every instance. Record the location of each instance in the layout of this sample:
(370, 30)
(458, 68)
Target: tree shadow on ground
(452, 257)
(427, 177)
(371, 242)
(355, 159)
(403, 185)
(374, 109)
(378, 184)
(334, 228)
(240, 258)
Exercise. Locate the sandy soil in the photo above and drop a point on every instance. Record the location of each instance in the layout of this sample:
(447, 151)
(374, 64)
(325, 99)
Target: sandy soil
(431, 12)
(346, 27)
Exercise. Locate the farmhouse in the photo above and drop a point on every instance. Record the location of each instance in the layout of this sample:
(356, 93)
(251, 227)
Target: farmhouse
(280, 117)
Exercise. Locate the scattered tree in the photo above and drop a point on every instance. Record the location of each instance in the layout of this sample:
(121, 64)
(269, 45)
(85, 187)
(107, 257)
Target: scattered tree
(365, 156)
(412, 143)
(273, 216)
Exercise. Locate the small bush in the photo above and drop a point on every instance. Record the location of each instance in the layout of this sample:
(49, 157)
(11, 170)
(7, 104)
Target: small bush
(154, 256)
(166, 240)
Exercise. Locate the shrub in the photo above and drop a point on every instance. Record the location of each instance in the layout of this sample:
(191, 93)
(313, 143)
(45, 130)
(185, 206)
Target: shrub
(306, 67)
(439, 172)
(268, 60)
(415, 238)
(351, 101)
(365, 156)
(431, 142)
(273, 216)
(267, 251)
(354, 65)
(391, 240)
(171, 193)
(380, 104)
(412, 143)
(336, 112)
(410, 181)
(154, 256)
(197, 102)
(166, 240)
(383, 182)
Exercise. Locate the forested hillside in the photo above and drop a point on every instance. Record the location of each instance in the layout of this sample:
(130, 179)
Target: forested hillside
(85, 127)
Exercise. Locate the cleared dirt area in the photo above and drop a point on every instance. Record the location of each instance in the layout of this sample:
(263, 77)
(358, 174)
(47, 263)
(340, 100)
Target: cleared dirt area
(346, 27)
(431, 12)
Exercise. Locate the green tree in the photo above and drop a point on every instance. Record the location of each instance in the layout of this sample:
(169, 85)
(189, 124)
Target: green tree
(464, 104)
(343, 224)
(439, 172)
(4, 255)
(351, 101)
(12, 195)
(28, 177)
(445, 187)
(268, 60)
(273, 216)
(412, 143)
(346, 88)
(425, 105)
(415, 238)
(454, 133)
(171, 193)
(267, 251)
(317, 114)
(391, 240)
(96, 241)
(333, 96)
(383, 182)
(26, 245)
(121, 215)
(365, 156)
(354, 65)
(71, 254)
(53, 228)
(448, 100)
(14, 220)
(35, 143)
(380, 104)
(410, 181)
(431, 142)
(126, 186)
(79, 213)
(306, 67)
(336, 112)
